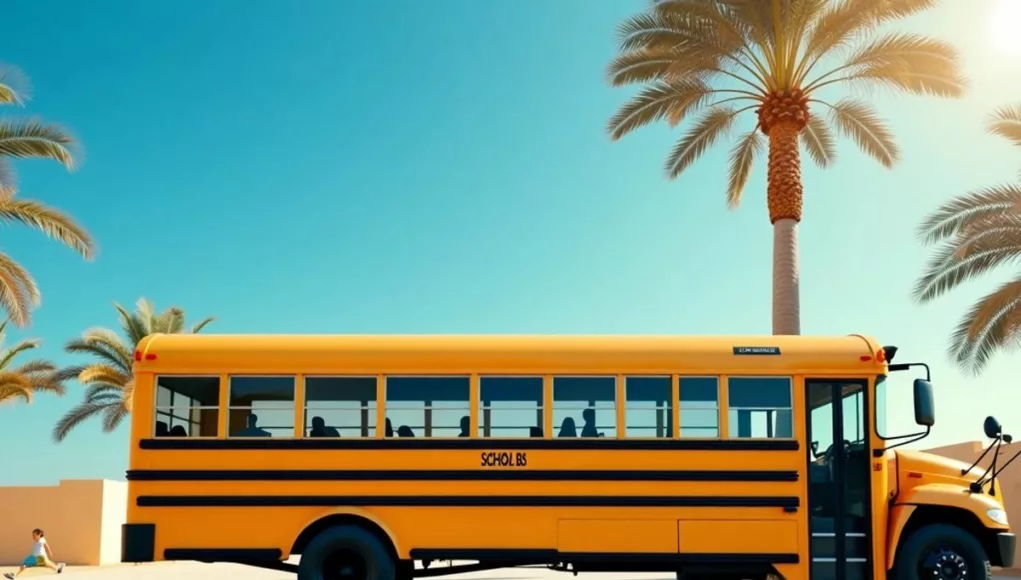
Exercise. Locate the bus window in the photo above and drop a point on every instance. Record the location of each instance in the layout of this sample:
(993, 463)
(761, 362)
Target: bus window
(340, 406)
(510, 406)
(649, 406)
(261, 407)
(585, 406)
(759, 407)
(700, 406)
(187, 406)
(428, 406)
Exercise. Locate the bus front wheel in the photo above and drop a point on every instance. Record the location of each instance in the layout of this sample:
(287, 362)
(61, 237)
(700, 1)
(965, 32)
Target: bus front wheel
(942, 552)
(346, 553)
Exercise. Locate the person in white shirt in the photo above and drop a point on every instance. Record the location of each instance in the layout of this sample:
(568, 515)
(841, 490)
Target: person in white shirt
(41, 555)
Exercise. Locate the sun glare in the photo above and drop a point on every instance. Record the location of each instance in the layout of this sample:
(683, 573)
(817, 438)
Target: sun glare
(1005, 27)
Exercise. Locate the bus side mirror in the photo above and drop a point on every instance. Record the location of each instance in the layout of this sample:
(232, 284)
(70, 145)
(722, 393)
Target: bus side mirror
(992, 427)
(925, 405)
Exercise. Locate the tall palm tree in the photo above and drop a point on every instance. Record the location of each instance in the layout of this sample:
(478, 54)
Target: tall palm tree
(774, 58)
(30, 139)
(109, 381)
(28, 378)
(977, 233)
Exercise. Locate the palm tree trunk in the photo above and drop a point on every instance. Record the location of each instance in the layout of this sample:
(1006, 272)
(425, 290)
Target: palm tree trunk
(784, 196)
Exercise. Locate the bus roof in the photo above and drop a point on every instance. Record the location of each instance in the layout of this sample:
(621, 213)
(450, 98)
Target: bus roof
(372, 354)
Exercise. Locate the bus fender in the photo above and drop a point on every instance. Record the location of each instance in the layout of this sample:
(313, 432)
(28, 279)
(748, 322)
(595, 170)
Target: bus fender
(899, 516)
(359, 513)
(953, 496)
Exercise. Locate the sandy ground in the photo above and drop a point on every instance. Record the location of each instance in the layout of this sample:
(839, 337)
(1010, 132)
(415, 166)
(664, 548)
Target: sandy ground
(192, 571)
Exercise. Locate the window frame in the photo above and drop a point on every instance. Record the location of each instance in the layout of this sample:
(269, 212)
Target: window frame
(467, 403)
(669, 408)
(294, 404)
(790, 387)
(541, 377)
(720, 381)
(616, 404)
(156, 407)
(373, 413)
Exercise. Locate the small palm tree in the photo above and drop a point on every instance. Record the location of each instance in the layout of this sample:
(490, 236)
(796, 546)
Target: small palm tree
(721, 58)
(977, 233)
(27, 379)
(109, 381)
(23, 139)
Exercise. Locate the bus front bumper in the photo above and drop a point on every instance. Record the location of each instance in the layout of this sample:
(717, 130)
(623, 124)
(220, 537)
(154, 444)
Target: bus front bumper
(1007, 545)
(138, 542)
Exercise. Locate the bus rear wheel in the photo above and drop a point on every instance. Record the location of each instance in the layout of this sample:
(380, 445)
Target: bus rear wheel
(346, 553)
(942, 552)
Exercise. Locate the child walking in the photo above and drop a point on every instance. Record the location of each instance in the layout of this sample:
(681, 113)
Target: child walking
(42, 555)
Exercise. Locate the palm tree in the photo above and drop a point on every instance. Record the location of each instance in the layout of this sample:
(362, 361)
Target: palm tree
(721, 58)
(23, 139)
(108, 378)
(977, 233)
(27, 379)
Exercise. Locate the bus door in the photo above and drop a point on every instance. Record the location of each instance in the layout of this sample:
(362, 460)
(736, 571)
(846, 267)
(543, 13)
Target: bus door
(838, 479)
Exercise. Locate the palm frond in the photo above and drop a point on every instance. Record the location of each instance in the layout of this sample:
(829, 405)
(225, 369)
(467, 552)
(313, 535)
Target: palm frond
(52, 222)
(910, 62)
(713, 124)
(101, 373)
(8, 355)
(78, 415)
(8, 179)
(33, 367)
(1006, 122)
(953, 217)
(69, 373)
(819, 141)
(113, 347)
(202, 324)
(956, 263)
(113, 416)
(993, 323)
(103, 391)
(858, 121)
(9, 392)
(660, 101)
(23, 139)
(657, 29)
(100, 349)
(18, 291)
(14, 86)
(146, 312)
(170, 321)
(134, 326)
(742, 157)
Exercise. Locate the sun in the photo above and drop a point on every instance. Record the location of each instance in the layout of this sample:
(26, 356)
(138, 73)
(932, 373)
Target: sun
(1005, 26)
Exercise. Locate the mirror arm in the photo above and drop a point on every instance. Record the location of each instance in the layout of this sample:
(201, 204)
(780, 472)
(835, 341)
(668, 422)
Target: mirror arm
(906, 439)
(977, 461)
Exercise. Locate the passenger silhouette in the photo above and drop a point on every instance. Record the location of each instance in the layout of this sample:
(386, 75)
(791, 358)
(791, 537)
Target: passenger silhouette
(589, 429)
(319, 429)
(253, 429)
(389, 428)
(465, 426)
(535, 432)
(161, 429)
(178, 431)
(405, 431)
(567, 428)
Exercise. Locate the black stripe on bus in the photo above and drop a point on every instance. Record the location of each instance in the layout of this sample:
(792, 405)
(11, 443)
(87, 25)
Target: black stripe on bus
(556, 556)
(599, 444)
(455, 475)
(463, 501)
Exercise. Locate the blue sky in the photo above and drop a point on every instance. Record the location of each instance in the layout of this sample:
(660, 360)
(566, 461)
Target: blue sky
(366, 167)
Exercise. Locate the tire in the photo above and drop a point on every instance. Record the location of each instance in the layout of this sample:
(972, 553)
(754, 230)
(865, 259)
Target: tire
(324, 555)
(405, 570)
(941, 542)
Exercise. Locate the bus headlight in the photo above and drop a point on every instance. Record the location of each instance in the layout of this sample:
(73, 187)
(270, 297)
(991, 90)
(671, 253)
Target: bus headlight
(997, 515)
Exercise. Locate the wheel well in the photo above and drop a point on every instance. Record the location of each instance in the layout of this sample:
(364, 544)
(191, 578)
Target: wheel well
(964, 519)
(342, 520)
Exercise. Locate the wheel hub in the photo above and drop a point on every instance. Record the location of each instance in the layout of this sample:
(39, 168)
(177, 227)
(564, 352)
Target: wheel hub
(944, 564)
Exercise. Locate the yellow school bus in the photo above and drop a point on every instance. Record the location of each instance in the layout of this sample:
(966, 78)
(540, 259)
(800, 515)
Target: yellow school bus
(715, 457)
